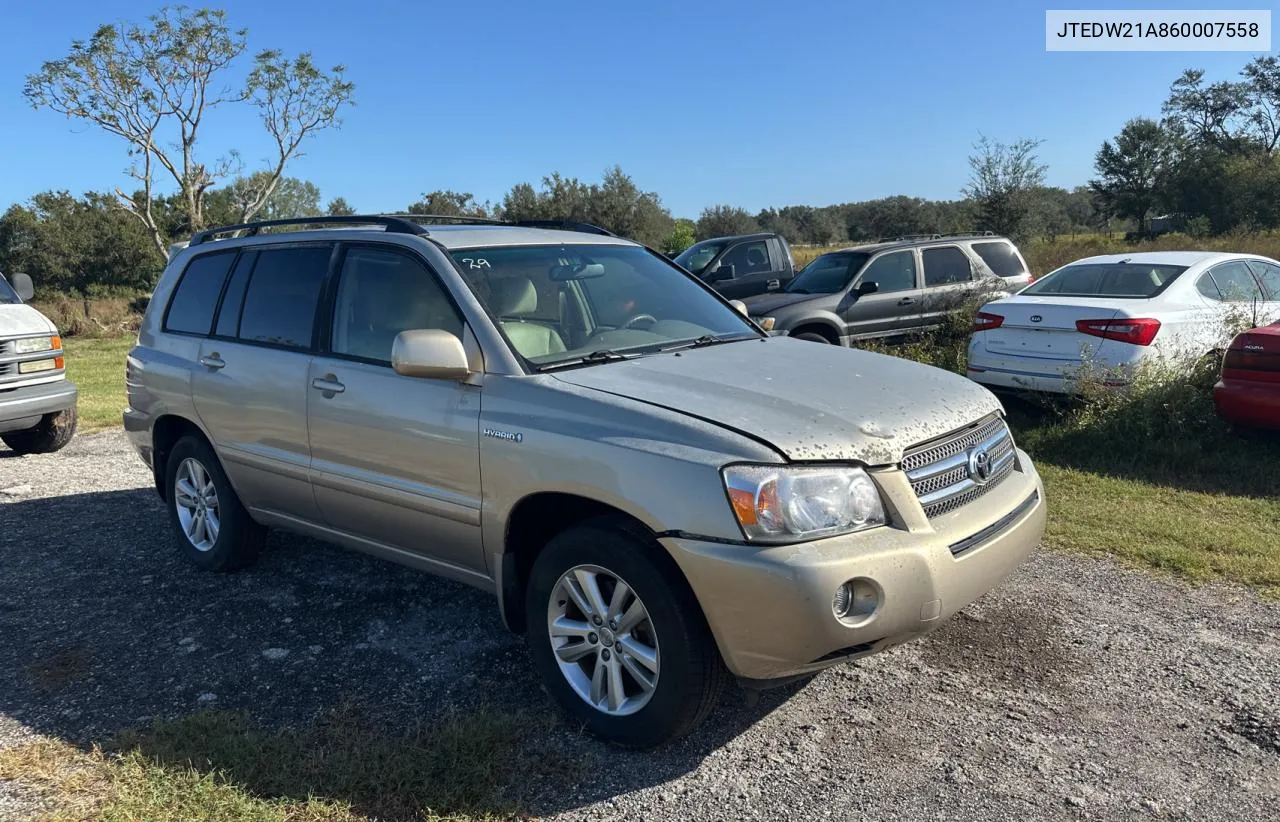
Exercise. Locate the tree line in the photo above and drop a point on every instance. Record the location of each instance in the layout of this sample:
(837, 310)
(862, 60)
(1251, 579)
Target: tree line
(1210, 165)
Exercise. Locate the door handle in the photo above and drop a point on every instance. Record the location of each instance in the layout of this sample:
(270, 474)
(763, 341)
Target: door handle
(328, 384)
(213, 361)
(907, 301)
(772, 284)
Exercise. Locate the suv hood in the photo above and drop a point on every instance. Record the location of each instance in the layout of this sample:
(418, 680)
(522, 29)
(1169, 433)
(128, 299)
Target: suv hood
(807, 401)
(761, 305)
(18, 319)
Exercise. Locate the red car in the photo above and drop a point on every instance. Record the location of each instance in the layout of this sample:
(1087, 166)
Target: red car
(1249, 391)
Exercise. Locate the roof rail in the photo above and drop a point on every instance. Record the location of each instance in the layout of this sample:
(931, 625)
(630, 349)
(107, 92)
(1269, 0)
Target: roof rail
(453, 218)
(394, 225)
(564, 225)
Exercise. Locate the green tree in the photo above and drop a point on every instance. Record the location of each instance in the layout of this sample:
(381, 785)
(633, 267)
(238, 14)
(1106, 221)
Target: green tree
(449, 204)
(616, 203)
(682, 235)
(290, 197)
(338, 207)
(77, 245)
(1132, 170)
(153, 84)
(1000, 181)
(724, 221)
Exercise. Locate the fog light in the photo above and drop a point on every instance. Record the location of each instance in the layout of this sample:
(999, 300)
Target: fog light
(855, 600)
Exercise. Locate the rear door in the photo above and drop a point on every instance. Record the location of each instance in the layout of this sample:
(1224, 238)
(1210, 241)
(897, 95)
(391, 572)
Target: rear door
(753, 272)
(948, 282)
(894, 308)
(250, 387)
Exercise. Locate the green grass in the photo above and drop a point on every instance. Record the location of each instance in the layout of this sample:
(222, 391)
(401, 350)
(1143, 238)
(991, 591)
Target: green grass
(344, 768)
(96, 366)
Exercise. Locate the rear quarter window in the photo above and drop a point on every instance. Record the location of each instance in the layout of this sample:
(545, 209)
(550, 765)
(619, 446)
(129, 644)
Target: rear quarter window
(1001, 258)
(196, 297)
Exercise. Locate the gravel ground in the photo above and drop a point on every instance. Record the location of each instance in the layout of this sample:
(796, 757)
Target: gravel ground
(1076, 690)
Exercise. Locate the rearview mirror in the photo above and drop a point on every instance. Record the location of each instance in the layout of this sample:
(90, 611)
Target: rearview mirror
(724, 272)
(429, 353)
(22, 284)
(577, 271)
(868, 288)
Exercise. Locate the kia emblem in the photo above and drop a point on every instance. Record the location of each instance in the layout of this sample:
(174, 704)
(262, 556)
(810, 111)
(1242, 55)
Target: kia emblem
(1035, 318)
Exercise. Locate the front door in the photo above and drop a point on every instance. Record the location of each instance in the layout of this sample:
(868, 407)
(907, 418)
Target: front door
(752, 272)
(894, 307)
(395, 460)
(250, 384)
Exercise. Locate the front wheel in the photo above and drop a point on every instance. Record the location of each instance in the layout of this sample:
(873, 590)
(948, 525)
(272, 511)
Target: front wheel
(52, 433)
(619, 638)
(811, 337)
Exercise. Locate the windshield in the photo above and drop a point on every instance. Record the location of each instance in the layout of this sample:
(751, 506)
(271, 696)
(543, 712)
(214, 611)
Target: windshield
(7, 294)
(696, 257)
(1126, 280)
(827, 274)
(558, 304)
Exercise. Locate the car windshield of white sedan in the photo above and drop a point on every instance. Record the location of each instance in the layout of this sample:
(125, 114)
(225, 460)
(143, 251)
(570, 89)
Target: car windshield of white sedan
(584, 304)
(1125, 280)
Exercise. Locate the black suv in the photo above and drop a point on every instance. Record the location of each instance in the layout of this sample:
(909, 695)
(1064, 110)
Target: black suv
(890, 289)
(740, 266)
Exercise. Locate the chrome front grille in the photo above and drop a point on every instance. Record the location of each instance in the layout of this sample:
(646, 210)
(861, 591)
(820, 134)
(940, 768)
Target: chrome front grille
(8, 369)
(6, 347)
(948, 473)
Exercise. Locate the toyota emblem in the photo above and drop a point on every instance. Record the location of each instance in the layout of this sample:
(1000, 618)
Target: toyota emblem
(979, 466)
(1035, 318)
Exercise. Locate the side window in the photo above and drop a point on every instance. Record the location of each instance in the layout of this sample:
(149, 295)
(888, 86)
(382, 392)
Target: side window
(891, 272)
(1269, 274)
(1236, 282)
(1206, 286)
(196, 297)
(747, 258)
(946, 265)
(233, 299)
(381, 293)
(280, 302)
(1000, 258)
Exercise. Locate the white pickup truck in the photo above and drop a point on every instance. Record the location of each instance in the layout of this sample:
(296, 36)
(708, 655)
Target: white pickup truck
(37, 401)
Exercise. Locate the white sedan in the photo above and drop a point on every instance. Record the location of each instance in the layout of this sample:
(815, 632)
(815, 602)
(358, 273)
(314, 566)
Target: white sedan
(1104, 315)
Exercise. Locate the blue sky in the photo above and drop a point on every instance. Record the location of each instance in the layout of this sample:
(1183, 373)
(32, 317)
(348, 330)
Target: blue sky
(751, 103)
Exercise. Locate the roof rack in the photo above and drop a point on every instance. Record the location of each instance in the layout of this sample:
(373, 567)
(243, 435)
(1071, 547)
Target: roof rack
(394, 225)
(564, 225)
(452, 218)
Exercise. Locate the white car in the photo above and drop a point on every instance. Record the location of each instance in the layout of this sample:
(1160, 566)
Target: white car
(1109, 313)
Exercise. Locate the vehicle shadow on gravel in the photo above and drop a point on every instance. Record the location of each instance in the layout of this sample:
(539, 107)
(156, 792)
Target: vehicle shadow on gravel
(317, 671)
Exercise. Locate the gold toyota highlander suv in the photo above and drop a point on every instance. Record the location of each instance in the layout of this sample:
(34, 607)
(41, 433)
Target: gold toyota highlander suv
(660, 494)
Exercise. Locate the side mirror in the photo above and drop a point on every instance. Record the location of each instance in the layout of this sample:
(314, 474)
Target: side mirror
(741, 306)
(868, 288)
(22, 284)
(429, 353)
(724, 272)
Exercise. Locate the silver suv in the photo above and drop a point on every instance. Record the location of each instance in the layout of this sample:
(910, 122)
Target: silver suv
(660, 494)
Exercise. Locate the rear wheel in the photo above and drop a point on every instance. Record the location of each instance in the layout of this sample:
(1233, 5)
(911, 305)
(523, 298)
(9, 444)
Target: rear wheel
(212, 527)
(52, 433)
(619, 638)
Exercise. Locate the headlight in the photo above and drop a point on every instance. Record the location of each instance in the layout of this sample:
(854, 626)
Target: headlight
(30, 345)
(788, 504)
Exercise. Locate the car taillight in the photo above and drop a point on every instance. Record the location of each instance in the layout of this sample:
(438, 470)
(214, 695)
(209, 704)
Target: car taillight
(1136, 332)
(985, 322)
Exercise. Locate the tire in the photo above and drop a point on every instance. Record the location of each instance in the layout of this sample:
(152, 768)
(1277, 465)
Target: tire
(235, 540)
(809, 336)
(690, 673)
(52, 433)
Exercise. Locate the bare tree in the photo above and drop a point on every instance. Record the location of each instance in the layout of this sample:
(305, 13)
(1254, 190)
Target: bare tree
(153, 85)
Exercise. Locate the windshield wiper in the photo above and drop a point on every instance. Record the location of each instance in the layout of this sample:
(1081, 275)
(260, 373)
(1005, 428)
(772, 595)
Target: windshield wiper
(709, 339)
(595, 357)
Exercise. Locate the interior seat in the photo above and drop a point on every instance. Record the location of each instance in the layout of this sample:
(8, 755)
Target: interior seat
(513, 299)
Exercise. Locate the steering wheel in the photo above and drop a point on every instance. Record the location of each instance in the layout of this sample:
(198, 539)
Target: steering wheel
(637, 318)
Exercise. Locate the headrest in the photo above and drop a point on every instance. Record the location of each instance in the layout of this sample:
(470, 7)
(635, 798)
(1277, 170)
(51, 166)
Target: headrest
(513, 296)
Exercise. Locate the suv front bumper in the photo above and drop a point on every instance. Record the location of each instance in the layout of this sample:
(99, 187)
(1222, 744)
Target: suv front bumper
(769, 607)
(22, 408)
